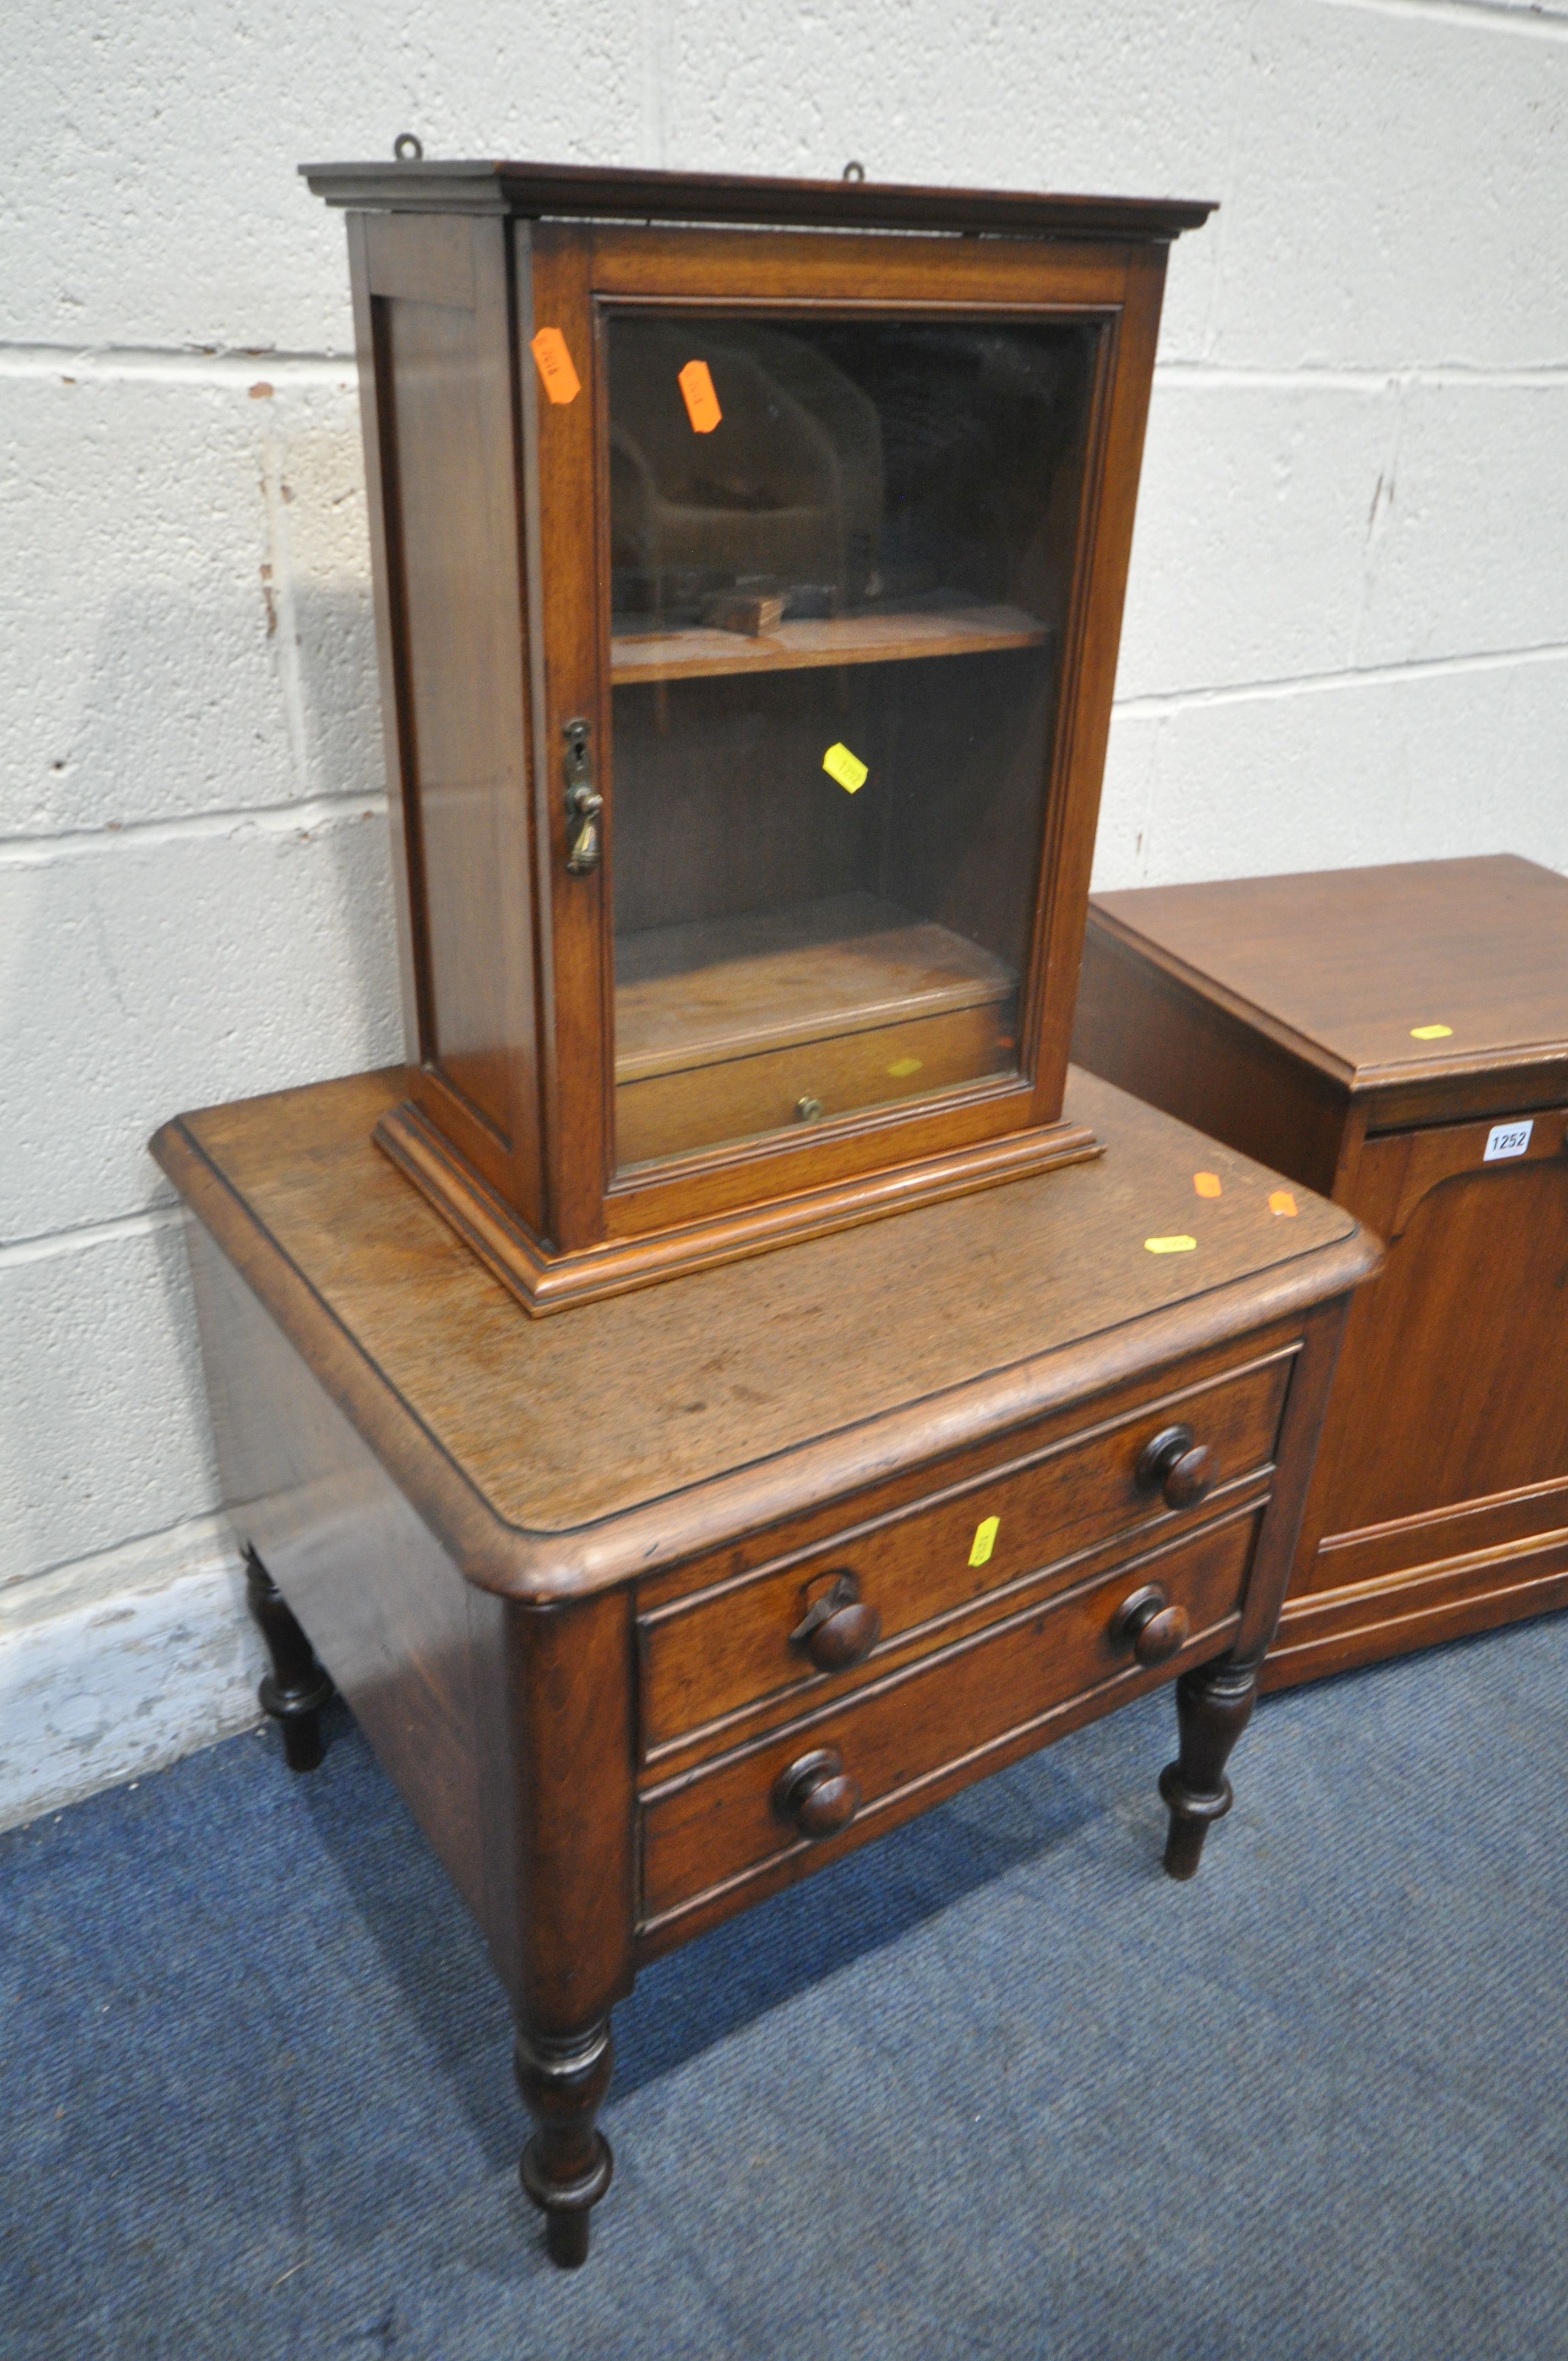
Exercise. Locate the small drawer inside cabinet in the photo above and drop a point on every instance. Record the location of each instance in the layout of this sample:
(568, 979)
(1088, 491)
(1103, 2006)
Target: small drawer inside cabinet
(953, 1711)
(819, 1614)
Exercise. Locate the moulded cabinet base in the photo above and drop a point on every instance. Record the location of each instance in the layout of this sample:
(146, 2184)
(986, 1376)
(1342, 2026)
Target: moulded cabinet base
(1435, 1587)
(546, 1282)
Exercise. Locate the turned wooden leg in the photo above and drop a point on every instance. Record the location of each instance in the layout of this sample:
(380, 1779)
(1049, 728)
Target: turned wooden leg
(1213, 1705)
(567, 2165)
(296, 1688)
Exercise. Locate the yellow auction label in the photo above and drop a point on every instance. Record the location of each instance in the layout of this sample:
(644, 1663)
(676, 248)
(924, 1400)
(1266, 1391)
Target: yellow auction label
(984, 1540)
(848, 769)
(1431, 1032)
(902, 1068)
(1169, 1246)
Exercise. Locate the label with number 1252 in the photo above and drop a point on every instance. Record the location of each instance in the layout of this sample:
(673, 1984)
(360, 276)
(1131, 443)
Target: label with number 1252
(1507, 1139)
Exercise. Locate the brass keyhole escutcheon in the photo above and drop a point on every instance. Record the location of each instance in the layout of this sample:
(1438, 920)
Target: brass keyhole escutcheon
(583, 803)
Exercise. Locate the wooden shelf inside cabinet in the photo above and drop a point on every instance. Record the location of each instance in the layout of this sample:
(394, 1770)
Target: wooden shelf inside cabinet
(702, 651)
(779, 1017)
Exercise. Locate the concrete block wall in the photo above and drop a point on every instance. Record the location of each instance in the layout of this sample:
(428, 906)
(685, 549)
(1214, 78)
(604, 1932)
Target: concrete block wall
(1346, 637)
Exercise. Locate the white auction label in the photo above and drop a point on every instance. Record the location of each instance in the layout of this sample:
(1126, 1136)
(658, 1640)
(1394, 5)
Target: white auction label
(1507, 1139)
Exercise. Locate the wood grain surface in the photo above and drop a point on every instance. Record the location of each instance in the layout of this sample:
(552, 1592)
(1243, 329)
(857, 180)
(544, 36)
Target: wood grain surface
(1345, 965)
(556, 1457)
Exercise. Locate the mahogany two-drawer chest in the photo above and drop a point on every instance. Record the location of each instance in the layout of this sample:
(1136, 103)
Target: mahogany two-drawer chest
(652, 1608)
(1397, 1038)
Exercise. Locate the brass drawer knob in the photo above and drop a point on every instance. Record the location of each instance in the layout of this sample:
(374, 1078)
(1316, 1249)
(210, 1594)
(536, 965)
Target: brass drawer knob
(1151, 1626)
(839, 1630)
(1178, 1466)
(816, 1796)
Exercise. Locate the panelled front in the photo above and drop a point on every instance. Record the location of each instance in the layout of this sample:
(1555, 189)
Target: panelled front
(709, 1833)
(721, 1653)
(1475, 1458)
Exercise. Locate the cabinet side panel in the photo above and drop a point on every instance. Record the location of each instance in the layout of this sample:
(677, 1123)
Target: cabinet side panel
(455, 667)
(441, 344)
(385, 1609)
(1147, 1034)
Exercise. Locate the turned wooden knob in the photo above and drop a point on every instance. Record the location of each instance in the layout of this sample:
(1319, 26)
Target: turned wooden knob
(1151, 1626)
(839, 1630)
(1178, 1466)
(817, 1795)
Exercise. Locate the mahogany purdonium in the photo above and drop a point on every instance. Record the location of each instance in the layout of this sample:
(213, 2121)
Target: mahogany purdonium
(1399, 1038)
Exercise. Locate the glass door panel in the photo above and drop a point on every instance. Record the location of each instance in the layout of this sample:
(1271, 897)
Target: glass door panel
(841, 552)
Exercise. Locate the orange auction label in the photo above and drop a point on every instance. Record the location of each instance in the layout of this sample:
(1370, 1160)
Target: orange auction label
(562, 382)
(702, 402)
(1207, 1184)
(1282, 1202)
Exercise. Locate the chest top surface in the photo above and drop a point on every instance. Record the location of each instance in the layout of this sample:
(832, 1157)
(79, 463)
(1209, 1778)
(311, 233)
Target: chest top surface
(560, 1455)
(1433, 967)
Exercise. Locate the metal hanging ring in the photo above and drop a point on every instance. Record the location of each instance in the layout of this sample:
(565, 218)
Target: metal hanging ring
(853, 170)
(408, 147)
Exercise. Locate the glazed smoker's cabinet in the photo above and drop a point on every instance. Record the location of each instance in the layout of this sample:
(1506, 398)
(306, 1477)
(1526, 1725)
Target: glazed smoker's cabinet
(750, 560)
(1397, 1039)
(654, 1609)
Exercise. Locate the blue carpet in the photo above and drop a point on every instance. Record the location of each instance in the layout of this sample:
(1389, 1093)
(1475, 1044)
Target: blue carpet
(993, 2088)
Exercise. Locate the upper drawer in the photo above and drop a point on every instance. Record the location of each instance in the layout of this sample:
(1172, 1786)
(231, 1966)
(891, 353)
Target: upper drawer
(712, 1655)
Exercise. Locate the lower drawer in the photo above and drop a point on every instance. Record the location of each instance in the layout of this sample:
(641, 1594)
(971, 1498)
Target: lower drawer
(957, 1711)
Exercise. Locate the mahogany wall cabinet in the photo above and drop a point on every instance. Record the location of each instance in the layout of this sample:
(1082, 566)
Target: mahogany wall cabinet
(654, 1609)
(1397, 1039)
(749, 564)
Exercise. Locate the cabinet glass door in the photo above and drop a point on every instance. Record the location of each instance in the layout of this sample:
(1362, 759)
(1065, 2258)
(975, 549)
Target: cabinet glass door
(841, 552)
